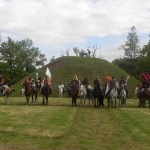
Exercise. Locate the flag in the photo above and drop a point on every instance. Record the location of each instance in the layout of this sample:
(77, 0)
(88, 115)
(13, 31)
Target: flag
(37, 75)
(48, 73)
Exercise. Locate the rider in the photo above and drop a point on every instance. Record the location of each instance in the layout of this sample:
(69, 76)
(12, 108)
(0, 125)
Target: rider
(122, 81)
(85, 82)
(98, 80)
(3, 86)
(75, 78)
(77, 82)
(31, 82)
(109, 84)
(1, 83)
(145, 84)
(47, 79)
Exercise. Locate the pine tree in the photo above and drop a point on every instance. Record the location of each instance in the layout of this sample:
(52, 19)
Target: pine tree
(131, 46)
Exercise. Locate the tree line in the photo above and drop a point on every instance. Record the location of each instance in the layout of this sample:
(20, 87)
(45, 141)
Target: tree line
(136, 59)
(18, 59)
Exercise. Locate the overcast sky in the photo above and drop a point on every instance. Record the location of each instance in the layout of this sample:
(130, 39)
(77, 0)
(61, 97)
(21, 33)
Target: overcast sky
(57, 25)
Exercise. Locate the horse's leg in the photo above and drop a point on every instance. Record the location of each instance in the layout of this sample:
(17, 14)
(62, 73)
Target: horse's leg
(27, 98)
(72, 100)
(108, 100)
(115, 102)
(75, 101)
(46, 99)
(84, 100)
(35, 97)
(80, 100)
(43, 100)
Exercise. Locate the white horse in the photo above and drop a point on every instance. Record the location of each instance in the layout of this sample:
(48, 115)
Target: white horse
(60, 90)
(83, 93)
(23, 92)
(123, 95)
(114, 93)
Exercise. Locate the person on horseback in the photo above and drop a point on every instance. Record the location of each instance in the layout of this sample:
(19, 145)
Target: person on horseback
(98, 80)
(75, 78)
(109, 84)
(122, 82)
(31, 82)
(3, 86)
(85, 82)
(76, 81)
(46, 80)
(1, 83)
(145, 84)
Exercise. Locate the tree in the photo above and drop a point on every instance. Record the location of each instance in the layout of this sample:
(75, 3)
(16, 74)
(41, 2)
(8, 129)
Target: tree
(76, 50)
(131, 46)
(19, 58)
(145, 52)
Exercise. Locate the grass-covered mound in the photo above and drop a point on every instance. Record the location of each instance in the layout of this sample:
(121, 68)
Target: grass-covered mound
(63, 68)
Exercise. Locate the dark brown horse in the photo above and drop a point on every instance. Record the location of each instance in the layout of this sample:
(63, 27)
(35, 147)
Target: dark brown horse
(143, 96)
(74, 92)
(46, 91)
(28, 90)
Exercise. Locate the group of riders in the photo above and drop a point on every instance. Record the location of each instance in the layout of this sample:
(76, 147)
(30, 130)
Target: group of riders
(106, 88)
(144, 84)
(39, 83)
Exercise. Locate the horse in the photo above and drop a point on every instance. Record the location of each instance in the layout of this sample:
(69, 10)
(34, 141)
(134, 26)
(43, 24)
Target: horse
(89, 93)
(112, 97)
(122, 95)
(98, 94)
(35, 89)
(74, 92)
(60, 90)
(46, 91)
(83, 93)
(28, 90)
(22, 92)
(8, 93)
(143, 96)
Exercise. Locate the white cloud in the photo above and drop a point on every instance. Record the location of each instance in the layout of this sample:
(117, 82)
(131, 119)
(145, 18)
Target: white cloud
(54, 23)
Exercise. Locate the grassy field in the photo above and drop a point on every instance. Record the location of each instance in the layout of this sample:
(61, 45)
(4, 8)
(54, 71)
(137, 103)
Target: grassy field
(60, 126)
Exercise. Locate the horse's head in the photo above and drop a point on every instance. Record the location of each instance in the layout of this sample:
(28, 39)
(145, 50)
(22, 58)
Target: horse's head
(122, 86)
(116, 84)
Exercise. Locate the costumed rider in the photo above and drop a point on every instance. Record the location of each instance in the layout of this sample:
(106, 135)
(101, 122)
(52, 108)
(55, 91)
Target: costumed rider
(31, 82)
(3, 87)
(48, 80)
(145, 84)
(1, 84)
(98, 80)
(85, 82)
(145, 78)
(75, 79)
(77, 82)
(110, 82)
(123, 82)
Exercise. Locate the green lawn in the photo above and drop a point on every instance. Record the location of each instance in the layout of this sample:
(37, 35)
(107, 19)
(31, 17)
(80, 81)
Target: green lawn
(60, 126)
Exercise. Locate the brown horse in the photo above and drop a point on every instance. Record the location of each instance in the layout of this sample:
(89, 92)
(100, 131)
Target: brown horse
(143, 96)
(46, 91)
(28, 90)
(8, 93)
(74, 92)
